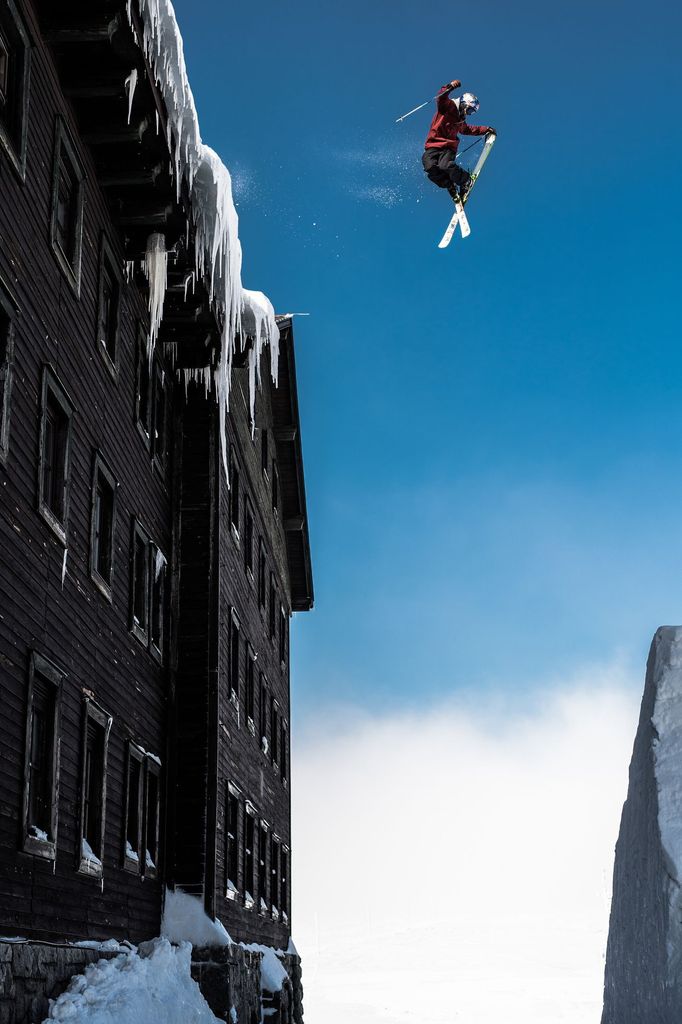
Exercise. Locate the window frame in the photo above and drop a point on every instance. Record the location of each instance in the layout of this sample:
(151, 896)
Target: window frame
(232, 798)
(137, 754)
(234, 494)
(262, 577)
(8, 313)
(108, 263)
(264, 453)
(274, 732)
(63, 142)
(249, 815)
(249, 533)
(272, 608)
(145, 431)
(100, 467)
(52, 384)
(92, 710)
(157, 650)
(283, 750)
(234, 659)
(250, 688)
(139, 631)
(152, 769)
(54, 676)
(275, 490)
(275, 876)
(13, 142)
(159, 387)
(284, 876)
(282, 639)
(264, 716)
(263, 865)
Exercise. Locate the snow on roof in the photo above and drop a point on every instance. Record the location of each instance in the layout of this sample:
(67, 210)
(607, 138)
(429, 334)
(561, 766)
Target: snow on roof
(218, 253)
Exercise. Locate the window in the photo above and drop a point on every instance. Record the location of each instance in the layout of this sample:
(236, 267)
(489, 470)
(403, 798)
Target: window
(133, 809)
(248, 539)
(234, 494)
(15, 56)
(96, 729)
(67, 207)
(275, 488)
(274, 876)
(108, 307)
(272, 605)
(140, 583)
(232, 843)
(261, 575)
(274, 731)
(234, 656)
(264, 706)
(282, 636)
(142, 812)
(6, 361)
(41, 764)
(262, 866)
(152, 804)
(102, 526)
(250, 687)
(54, 458)
(157, 600)
(264, 458)
(249, 853)
(143, 390)
(283, 750)
(160, 433)
(284, 883)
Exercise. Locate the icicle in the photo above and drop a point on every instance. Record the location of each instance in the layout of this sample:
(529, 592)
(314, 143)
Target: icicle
(156, 270)
(66, 552)
(217, 249)
(130, 83)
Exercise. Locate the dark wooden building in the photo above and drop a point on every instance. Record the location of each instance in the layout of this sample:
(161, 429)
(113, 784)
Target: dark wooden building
(145, 601)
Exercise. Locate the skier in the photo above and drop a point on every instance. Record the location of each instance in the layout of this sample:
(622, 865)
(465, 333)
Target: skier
(442, 141)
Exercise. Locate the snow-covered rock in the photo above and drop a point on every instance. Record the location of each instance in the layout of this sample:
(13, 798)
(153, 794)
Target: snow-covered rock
(153, 986)
(643, 978)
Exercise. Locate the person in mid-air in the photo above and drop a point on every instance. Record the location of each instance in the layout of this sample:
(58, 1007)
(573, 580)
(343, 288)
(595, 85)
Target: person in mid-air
(440, 149)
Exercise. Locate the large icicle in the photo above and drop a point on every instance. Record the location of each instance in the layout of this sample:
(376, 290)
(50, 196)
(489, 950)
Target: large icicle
(156, 271)
(218, 254)
(130, 83)
(258, 321)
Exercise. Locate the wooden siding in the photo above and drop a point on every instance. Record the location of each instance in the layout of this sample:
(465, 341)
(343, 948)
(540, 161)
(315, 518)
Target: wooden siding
(71, 624)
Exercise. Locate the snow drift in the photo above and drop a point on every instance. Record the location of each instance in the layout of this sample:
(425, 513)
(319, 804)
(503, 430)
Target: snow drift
(152, 986)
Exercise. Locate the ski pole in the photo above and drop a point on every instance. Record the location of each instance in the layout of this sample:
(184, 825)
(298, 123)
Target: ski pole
(421, 105)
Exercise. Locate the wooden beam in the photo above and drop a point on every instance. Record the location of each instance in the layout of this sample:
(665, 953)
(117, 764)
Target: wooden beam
(126, 134)
(152, 216)
(91, 30)
(123, 179)
(294, 524)
(286, 433)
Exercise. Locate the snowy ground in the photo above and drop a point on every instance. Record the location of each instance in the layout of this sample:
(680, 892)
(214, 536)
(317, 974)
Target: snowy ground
(153, 987)
(464, 870)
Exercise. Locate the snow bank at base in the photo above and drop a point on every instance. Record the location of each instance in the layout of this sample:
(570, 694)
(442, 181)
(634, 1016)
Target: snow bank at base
(218, 254)
(185, 920)
(272, 973)
(152, 987)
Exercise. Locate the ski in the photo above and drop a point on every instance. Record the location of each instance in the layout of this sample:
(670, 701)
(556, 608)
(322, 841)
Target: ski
(459, 216)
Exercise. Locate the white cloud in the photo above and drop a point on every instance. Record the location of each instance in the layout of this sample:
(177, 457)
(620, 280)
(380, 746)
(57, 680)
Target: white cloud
(455, 864)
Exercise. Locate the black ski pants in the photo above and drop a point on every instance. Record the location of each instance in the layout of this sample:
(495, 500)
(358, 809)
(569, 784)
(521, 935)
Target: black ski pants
(442, 170)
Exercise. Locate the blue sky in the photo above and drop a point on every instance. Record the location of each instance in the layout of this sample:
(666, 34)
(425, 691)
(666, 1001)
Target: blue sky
(492, 433)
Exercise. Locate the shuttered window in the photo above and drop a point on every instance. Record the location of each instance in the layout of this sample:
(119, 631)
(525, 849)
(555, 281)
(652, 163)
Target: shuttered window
(54, 459)
(108, 307)
(102, 525)
(67, 207)
(96, 728)
(231, 844)
(263, 890)
(41, 771)
(249, 854)
(15, 55)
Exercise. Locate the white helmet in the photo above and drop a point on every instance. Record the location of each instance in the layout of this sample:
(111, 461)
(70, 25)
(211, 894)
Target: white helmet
(469, 103)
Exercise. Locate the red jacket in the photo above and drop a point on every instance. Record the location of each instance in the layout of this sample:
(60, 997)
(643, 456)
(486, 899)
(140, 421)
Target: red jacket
(448, 123)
